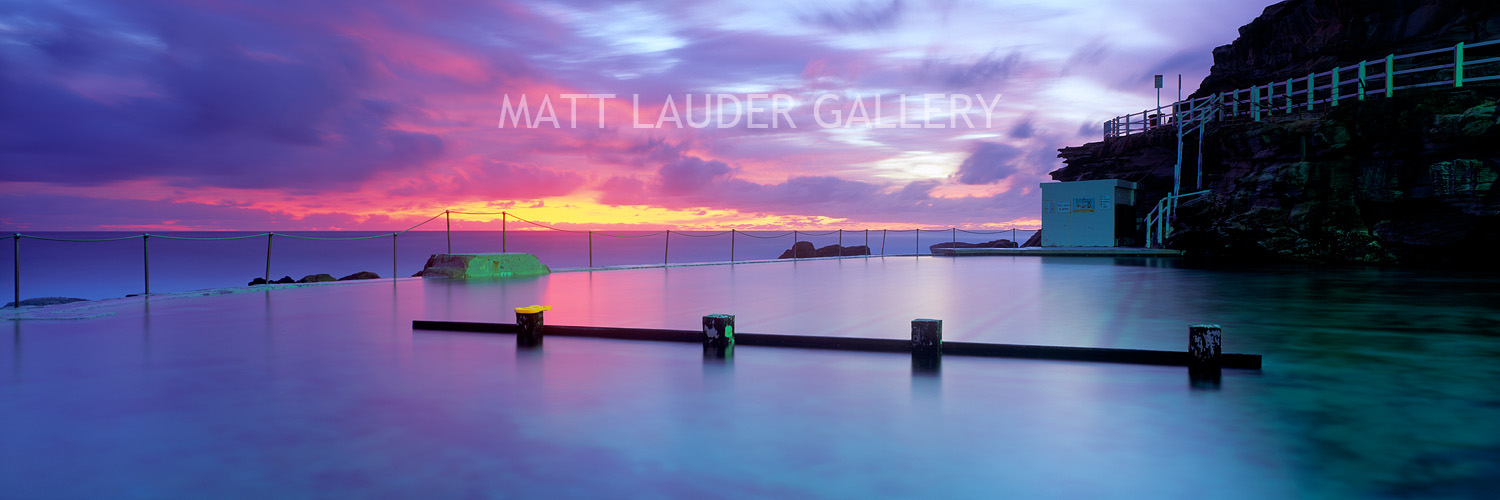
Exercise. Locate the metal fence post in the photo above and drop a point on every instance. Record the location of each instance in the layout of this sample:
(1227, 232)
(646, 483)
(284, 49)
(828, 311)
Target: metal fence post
(502, 232)
(393, 254)
(449, 229)
(16, 243)
(146, 251)
(919, 241)
(591, 248)
(882, 243)
(666, 246)
(731, 246)
(794, 244)
(841, 243)
(269, 236)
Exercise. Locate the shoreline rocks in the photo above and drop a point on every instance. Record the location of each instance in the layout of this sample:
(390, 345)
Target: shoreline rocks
(805, 250)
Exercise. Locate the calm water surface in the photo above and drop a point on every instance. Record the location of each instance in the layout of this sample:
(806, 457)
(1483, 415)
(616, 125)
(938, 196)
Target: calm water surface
(1377, 384)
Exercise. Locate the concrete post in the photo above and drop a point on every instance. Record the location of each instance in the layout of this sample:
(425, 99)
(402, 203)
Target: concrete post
(718, 336)
(529, 326)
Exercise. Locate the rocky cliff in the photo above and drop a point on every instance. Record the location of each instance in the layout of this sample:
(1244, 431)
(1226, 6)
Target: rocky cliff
(1405, 180)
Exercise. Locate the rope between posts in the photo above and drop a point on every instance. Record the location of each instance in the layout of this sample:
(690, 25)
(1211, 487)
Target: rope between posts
(224, 238)
(93, 240)
(788, 233)
(319, 238)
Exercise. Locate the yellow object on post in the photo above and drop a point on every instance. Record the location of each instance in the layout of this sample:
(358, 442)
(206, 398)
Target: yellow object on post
(529, 326)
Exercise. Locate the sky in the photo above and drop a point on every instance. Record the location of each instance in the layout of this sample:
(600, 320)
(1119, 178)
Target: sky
(378, 114)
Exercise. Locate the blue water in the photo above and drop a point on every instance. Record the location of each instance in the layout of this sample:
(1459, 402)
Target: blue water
(1377, 383)
(97, 270)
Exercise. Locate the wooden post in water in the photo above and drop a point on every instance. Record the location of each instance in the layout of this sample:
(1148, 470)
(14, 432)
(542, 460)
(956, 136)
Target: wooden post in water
(529, 326)
(926, 345)
(718, 336)
(1205, 344)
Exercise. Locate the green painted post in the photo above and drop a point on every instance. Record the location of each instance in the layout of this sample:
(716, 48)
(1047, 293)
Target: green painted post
(1309, 91)
(1336, 86)
(1390, 74)
(1255, 102)
(1361, 80)
(1458, 65)
(1236, 102)
(1289, 96)
(146, 251)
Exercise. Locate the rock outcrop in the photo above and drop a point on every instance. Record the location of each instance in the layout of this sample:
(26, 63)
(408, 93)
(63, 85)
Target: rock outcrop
(362, 275)
(1293, 38)
(45, 301)
(1409, 179)
(963, 244)
(805, 249)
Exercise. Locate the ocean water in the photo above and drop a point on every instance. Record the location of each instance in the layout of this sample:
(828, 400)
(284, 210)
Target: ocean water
(96, 270)
(1377, 383)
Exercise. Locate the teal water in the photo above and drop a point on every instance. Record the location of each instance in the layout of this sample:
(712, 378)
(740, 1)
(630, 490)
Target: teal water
(1376, 384)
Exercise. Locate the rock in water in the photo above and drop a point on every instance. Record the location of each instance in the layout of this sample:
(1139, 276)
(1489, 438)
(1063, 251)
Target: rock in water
(805, 249)
(256, 281)
(46, 301)
(317, 278)
(285, 280)
(799, 250)
(964, 244)
(362, 275)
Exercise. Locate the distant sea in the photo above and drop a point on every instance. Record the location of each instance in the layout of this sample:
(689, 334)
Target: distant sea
(97, 270)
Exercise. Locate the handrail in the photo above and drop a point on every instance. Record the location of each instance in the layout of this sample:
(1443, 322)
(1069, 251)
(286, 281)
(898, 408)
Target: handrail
(448, 214)
(1355, 81)
(1159, 219)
